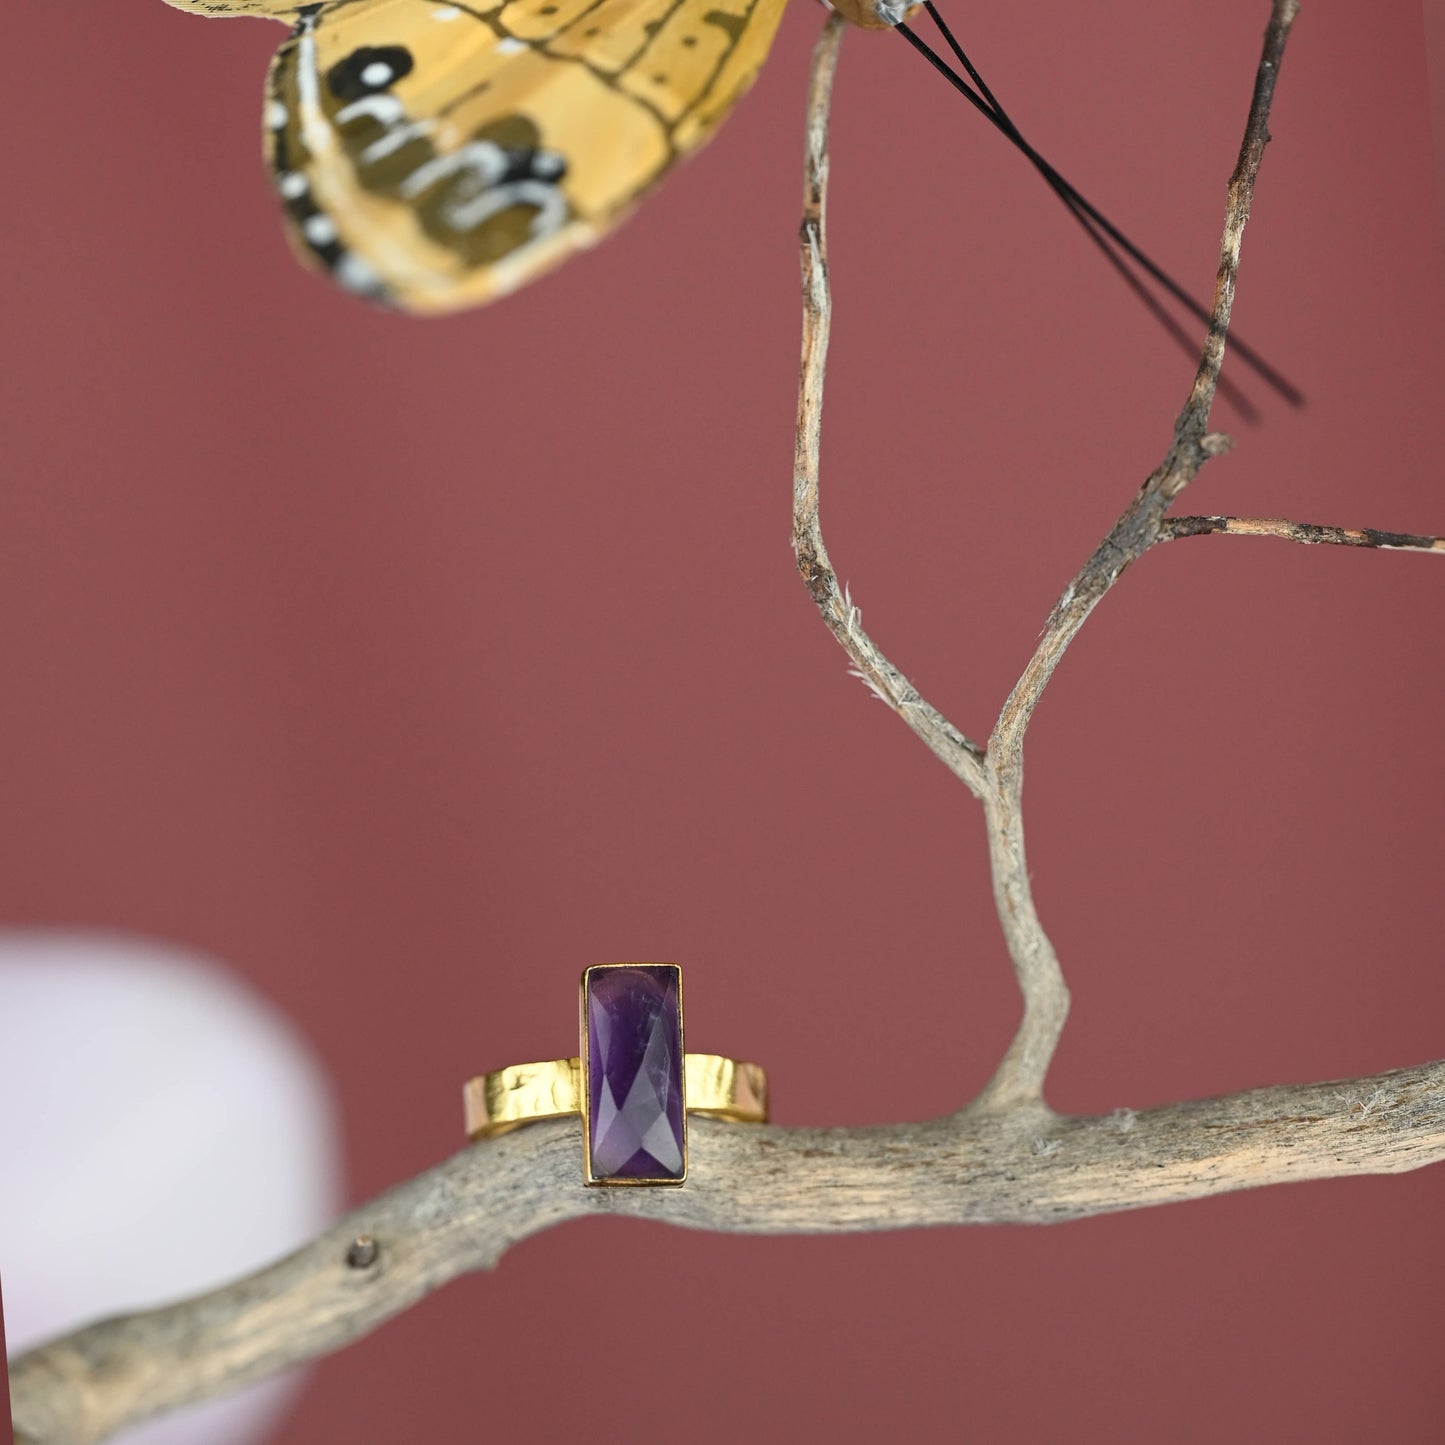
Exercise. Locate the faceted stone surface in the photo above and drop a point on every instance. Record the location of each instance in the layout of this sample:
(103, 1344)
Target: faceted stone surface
(635, 1095)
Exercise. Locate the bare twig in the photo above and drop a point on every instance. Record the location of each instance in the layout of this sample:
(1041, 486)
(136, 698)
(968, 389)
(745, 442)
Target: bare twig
(962, 756)
(466, 1213)
(1006, 1158)
(995, 775)
(1019, 1079)
(1307, 534)
(1139, 527)
(1018, 1082)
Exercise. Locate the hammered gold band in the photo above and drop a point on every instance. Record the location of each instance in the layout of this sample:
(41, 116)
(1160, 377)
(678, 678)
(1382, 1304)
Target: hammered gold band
(715, 1086)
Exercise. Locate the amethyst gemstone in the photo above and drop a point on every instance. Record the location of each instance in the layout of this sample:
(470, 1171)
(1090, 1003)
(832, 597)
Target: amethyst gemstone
(634, 1072)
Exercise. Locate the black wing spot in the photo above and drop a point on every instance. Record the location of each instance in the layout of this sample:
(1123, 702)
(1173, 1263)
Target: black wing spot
(368, 71)
(730, 25)
(520, 142)
(511, 132)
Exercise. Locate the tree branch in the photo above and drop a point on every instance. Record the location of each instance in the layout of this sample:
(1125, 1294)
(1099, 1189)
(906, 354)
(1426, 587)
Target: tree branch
(991, 1168)
(956, 751)
(1139, 526)
(1308, 534)
(1019, 1079)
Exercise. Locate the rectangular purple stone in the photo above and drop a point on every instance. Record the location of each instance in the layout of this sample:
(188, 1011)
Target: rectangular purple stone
(633, 1073)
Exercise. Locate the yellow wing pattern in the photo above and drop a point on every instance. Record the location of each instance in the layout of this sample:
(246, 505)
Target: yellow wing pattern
(435, 155)
(276, 9)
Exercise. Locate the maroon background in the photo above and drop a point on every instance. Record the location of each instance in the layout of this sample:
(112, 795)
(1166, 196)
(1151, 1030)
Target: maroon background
(411, 667)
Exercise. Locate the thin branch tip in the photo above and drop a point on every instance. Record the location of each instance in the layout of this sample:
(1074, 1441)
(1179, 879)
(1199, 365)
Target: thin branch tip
(1306, 534)
(843, 616)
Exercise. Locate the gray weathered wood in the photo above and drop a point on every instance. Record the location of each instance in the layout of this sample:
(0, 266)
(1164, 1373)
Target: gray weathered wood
(984, 1166)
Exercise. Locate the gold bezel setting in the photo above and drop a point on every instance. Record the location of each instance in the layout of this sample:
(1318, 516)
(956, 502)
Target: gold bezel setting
(585, 1092)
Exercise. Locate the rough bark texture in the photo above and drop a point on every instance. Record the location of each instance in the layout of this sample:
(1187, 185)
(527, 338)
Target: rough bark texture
(1018, 1166)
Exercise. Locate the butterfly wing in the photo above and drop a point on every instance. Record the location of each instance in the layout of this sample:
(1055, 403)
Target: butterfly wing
(437, 155)
(277, 9)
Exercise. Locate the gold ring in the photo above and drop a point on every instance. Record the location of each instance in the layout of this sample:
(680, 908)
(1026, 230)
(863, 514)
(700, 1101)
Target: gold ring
(632, 1083)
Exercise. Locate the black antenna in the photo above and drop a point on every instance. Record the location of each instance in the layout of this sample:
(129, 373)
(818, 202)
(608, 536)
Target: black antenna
(1095, 224)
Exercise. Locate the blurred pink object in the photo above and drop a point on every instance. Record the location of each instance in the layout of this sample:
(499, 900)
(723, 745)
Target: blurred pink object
(162, 1128)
